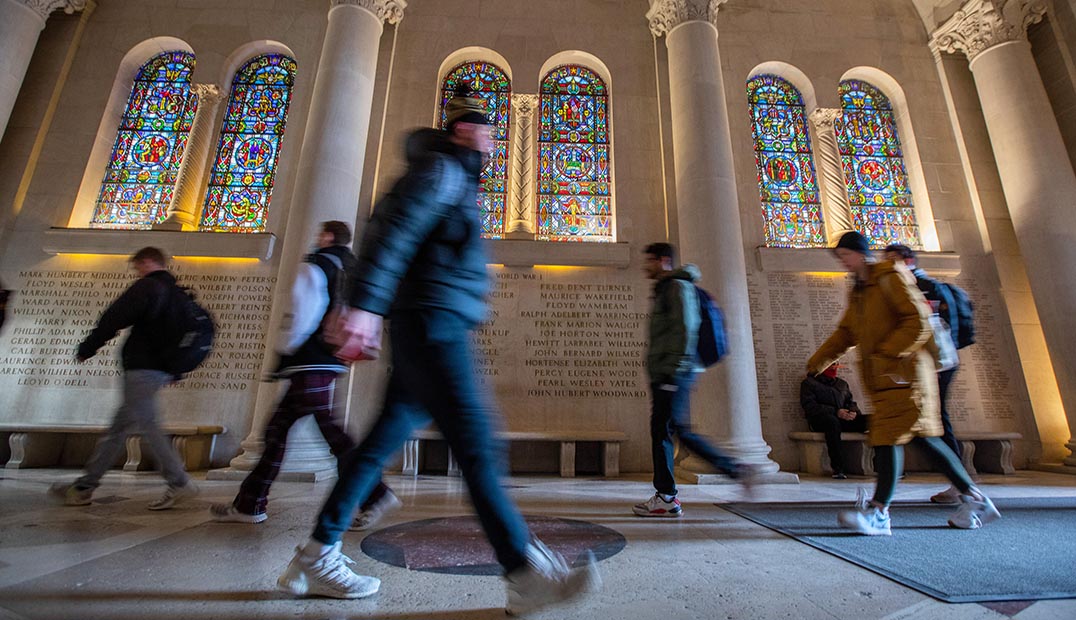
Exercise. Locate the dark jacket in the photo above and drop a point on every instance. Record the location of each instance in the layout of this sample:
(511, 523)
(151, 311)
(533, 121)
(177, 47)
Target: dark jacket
(139, 307)
(423, 247)
(933, 291)
(674, 326)
(823, 396)
(316, 291)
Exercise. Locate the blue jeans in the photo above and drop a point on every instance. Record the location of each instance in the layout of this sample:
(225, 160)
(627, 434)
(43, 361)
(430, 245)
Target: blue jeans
(670, 413)
(432, 376)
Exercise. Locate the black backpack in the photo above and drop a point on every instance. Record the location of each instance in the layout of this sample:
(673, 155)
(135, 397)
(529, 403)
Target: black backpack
(965, 321)
(187, 331)
(713, 344)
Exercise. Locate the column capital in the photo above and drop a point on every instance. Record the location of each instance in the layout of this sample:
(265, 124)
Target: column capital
(390, 11)
(524, 104)
(664, 15)
(982, 24)
(209, 93)
(825, 118)
(44, 8)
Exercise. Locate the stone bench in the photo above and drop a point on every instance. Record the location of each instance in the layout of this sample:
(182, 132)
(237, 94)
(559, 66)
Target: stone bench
(988, 452)
(42, 445)
(610, 441)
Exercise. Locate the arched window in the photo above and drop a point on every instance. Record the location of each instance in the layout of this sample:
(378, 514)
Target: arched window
(787, 183)
(492, 84)
(574, 157)
(241, 182)
(874, 171)
(152, 136)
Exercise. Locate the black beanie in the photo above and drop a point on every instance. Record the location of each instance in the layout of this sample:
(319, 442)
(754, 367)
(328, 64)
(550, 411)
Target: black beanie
(854, 241)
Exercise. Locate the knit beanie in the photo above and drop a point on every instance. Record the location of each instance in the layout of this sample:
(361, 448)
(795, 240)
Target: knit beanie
(465, 107)
(855, 242)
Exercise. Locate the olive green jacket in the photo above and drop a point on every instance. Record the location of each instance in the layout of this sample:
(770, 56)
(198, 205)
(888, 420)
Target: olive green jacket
(674, 326)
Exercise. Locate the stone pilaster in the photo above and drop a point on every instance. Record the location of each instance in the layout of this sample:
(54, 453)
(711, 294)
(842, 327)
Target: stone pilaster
(187, 201)
(521, 180)
(836, 211)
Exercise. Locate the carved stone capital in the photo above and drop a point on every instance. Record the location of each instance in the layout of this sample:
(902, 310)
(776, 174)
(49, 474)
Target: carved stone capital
(524, 105)
(44, 8)
(982, 24)
(664, 15)
(207, 93)
(825, 118)
(390, 11)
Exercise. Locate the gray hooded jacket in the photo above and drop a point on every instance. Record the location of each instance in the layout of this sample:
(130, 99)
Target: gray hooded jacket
(674, 326)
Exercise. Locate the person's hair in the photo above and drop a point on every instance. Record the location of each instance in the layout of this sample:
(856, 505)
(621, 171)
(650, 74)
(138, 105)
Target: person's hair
(340, 231)
(150, 254)
(661, 250)
(902, 250)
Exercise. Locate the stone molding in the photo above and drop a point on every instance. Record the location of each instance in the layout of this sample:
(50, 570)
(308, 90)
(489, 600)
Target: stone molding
(664, 15)
(209, 93)
(825, 118)
(390, 11)
(982, 24)
(44, 8)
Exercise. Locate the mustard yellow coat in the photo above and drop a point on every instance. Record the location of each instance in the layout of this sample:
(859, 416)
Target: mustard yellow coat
(889, 321)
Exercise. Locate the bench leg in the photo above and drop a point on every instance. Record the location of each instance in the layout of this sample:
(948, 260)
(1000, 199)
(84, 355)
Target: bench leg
(34, 449)
(134, 453)
(996, 456)
(815, 460)
(453, 466)
(611, 459)
(410, 457)
(567, 459)
(967, 457)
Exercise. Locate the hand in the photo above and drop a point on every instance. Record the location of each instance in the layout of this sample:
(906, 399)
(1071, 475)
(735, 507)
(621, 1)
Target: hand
(845, 414)
(365, 327)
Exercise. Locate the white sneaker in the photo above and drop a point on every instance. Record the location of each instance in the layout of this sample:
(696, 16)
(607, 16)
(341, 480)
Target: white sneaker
(327, 575)
(656, 506)
(174, 495)
(227, 513)
(70, 495)
(948, 496)
(974, 512)
(373, 515)
(749, 477)
(869, 521)
(546, 580)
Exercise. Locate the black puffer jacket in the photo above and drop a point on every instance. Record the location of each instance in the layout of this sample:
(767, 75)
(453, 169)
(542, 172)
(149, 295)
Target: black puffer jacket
(140, 308)
(821, 395)
(423, 247)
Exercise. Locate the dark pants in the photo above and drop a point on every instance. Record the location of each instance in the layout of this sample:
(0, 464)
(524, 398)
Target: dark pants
(433, 376)
(945, 378)
(670, 413)
(889, 460)
(309, 393)
(833, 426)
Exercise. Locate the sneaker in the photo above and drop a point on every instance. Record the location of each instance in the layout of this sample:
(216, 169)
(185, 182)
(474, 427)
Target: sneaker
(70, 495)
(948, 496)
(546, 580)
(656, 506)
(174, 495)
(869, 521)
(839, 475)
(326, 575)
(976, 510)
(227, 513)
(748, 476)
(863, 498)
(373, 515)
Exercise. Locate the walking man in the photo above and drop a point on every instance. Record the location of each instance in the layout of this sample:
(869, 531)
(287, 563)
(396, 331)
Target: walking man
(943, 300)
(423, 264)
(673, 366)
(141, 308)
(308, 363)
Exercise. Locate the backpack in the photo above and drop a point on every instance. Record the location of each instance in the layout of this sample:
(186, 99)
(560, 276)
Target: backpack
(187, 334)
(965, 321)
(713, 344)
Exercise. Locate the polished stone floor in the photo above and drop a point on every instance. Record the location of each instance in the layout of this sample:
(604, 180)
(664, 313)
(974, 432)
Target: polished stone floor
(117, 560)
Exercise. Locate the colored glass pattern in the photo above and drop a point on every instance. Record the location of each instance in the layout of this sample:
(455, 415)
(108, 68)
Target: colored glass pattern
(574, 157)
(787, 185)
(150, 141)
(873, 163)
(241, 183)
(491, 84)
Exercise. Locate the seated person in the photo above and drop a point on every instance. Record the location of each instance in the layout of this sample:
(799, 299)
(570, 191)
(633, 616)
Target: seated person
(827, 401)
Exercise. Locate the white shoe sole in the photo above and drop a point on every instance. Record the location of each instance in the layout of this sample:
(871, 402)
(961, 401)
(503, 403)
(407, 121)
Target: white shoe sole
(852, 524)
(656, 515)
(294, 582)
(584, 580)
(188, 492)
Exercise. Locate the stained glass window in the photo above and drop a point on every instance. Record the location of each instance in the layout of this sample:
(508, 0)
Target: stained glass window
(491, 84)
(787, 183)
(241, 182)
(152, 136)
(573, 157)
(873, 162)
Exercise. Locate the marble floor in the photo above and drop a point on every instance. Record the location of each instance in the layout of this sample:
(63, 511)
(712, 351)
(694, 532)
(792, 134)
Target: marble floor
(117, 560)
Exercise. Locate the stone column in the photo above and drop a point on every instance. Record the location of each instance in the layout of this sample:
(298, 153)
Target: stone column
(21, 22)
(1036, 174)
(709, 224)
(837, 213)
(521, 222)
(327, 187)
(186, 206)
